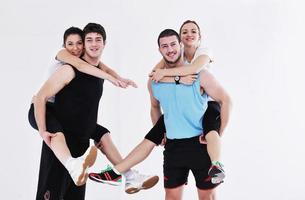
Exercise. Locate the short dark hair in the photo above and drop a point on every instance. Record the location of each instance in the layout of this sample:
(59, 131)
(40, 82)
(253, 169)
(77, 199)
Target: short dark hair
(167, 33)
(95, 28)
(71, 31)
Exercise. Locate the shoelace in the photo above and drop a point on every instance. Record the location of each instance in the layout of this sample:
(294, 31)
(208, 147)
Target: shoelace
(107, 169)
(218, 164)
(138, 176)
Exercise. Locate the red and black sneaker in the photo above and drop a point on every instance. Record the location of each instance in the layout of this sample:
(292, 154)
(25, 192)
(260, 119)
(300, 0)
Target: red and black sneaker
(107, 176)
(217, 173)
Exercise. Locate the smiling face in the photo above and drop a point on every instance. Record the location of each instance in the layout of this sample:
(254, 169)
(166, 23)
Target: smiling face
(74, 44)
(170, 49)
(190, 34)
(94, 45)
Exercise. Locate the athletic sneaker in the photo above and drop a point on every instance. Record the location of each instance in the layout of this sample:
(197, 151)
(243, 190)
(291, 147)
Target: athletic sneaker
(78, 167)
(107, 176)
(137, 182)
(217, 173)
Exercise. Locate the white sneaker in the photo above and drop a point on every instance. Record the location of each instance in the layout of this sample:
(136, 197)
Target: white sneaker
(78, 167)
(137, 182)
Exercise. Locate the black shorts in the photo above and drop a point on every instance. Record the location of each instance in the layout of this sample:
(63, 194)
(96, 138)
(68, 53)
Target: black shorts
(156, 134)
(99, 132)
(183, 155)
(211, 118)
(53, 125)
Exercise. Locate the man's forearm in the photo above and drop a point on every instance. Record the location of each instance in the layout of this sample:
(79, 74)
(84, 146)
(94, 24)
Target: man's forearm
(187, 69)
(181, 70)
(64, 56)
(167, 80)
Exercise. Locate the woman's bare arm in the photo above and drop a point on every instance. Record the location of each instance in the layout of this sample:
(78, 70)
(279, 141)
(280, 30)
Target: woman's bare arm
(64, 56)
(199, 63)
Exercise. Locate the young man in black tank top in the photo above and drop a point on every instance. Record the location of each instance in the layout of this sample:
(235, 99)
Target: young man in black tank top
(76, 106)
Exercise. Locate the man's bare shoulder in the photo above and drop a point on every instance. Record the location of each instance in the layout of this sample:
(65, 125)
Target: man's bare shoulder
(64, 73)
(205, 74)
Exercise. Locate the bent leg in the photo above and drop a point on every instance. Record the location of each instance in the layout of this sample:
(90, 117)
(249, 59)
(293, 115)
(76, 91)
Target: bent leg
(58, 143)
(60, 148)
(213, 145)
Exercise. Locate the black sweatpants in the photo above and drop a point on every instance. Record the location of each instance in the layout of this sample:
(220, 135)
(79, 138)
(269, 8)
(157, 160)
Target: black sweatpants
(54, 181)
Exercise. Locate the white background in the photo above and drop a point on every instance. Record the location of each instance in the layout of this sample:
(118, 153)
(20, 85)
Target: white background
(259, 58)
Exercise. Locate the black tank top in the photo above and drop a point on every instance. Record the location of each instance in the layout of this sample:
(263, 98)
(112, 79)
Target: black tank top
(77, 104)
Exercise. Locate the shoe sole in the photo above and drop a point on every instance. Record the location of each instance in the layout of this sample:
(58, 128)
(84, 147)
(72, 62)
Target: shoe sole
(146, 185)
(218, 178)
(217, 175)
(106, 182)
(88, 162)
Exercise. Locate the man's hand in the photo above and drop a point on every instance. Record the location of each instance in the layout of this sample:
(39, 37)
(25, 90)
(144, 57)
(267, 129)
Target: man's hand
(188, 80)
(47, 136)
(156, 75)
(163, 142)
(202, 139)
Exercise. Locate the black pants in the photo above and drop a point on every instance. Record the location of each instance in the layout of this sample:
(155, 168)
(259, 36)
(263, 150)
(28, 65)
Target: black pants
(54, 181)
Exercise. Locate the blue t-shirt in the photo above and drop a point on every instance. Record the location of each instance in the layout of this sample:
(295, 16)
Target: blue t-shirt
(183, 107)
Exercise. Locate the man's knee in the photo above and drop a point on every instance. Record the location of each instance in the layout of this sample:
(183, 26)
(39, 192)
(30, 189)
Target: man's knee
(60, 134)
(209, 194)
(104, 141)
(211, 135)
(174, 194)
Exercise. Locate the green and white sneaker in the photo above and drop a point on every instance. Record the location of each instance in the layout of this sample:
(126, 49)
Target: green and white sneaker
(136, 182)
